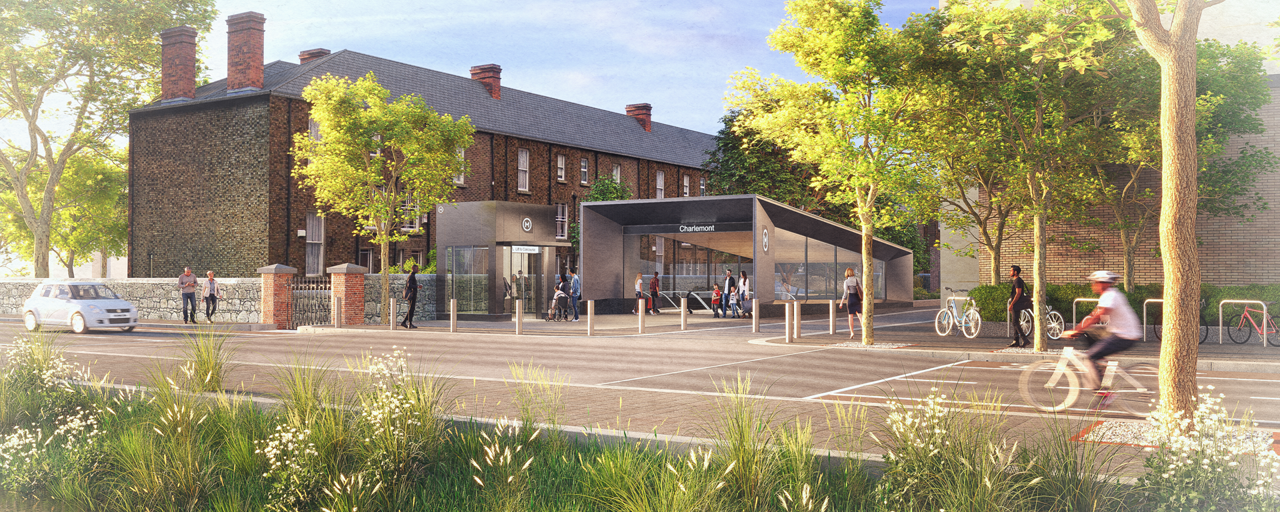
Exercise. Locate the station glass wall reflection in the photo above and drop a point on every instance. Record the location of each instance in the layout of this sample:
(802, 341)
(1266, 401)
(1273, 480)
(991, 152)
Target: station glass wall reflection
(686, 268)
(467, 278)
(808, 269)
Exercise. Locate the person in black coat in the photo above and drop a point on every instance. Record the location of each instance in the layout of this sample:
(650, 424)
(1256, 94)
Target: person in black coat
(729, 284)
(411, 288)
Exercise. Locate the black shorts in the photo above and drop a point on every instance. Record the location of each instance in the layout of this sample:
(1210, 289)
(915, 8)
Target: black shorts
(1108, 345)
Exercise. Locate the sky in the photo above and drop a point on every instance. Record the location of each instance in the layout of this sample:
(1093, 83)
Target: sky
(675, 55)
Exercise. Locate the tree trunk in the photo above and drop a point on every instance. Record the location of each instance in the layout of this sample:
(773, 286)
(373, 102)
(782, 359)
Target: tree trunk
(1039, 285)
(386, 281)
(1130, 245)
(70, 263)
(1179, 351)
(868, 280)
(102, 263)
(41, 253)
(994, 253)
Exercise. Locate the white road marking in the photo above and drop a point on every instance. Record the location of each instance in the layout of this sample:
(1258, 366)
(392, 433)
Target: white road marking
(841, 390)
(710, 367)
(936, 380)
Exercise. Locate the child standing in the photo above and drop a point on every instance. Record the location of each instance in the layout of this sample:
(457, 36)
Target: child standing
(733, 300)
(715, 300)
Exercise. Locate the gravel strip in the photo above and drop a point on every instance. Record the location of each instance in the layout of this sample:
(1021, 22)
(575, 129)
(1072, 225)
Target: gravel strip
(1139, 433)
(858, 344)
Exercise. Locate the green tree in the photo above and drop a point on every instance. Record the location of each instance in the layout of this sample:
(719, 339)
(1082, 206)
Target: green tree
(1046, 111)
(1231, 87)
(743, 162)
(69, 72)
(604, 189)
(90, 214)
(377, 160)
(849, 122)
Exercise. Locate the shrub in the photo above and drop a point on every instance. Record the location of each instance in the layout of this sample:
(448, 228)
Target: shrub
(1209, 462)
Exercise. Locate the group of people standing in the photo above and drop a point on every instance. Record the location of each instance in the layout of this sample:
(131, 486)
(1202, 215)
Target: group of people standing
(735, 298)
(571, 287)
(209, 295)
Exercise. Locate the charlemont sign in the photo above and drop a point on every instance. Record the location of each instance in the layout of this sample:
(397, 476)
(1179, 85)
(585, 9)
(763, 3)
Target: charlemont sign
(718, 227)
(696, 229)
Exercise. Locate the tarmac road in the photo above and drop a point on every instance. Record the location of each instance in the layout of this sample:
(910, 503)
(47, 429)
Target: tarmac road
(666, 363)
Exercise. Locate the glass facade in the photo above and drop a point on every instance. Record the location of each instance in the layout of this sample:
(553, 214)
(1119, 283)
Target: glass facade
(467, 278)
(808, 269)
(685, 267)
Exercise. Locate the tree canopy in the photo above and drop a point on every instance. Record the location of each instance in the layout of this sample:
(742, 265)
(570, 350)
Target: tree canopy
(71, 71)
(376, 160)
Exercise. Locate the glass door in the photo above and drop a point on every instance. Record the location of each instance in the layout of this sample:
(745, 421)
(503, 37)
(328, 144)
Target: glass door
(522, 268)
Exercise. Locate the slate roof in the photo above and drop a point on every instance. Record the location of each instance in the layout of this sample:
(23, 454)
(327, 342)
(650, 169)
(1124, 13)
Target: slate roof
(519, 113)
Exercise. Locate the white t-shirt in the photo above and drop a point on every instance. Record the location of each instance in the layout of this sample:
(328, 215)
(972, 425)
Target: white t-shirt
(1122, 321)
(851, 289)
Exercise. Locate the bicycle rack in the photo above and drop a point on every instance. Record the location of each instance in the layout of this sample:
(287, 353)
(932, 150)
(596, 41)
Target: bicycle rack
(1074, 323)
(1265, 318)
(1144, 315)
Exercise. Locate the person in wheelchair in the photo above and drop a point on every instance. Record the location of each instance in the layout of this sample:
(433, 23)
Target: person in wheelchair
(559, 309)
(1122, 330)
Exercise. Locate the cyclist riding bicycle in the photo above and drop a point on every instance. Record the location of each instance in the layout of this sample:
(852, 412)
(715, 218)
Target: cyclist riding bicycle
(1123, 328)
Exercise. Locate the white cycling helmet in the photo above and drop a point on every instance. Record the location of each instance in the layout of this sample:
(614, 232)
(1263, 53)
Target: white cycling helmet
(1104, 276)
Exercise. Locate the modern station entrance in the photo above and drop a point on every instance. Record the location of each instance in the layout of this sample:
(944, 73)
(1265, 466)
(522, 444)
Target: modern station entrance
(787, 254)
(491, 253)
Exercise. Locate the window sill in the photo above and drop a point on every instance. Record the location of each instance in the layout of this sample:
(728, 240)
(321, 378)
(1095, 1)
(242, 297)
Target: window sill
(561, 181)
(524, 192)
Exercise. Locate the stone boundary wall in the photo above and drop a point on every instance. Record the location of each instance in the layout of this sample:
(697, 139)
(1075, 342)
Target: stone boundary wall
(156, 299)
(426, 309)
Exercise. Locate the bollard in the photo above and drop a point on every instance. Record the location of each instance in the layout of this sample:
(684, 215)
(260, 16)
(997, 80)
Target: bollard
(798, 319)
(832, 327)
(786, 322)
(337, 313)
(755, 315)
(642, 312)
(453, 315)
(519, 315)
(684, 313)
(591, 318)
(391, 317)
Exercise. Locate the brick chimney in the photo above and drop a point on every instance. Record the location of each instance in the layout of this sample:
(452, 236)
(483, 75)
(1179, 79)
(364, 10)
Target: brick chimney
(178, 64)
(491, 76)
(643, 112)
(306, 56)
(244, 51)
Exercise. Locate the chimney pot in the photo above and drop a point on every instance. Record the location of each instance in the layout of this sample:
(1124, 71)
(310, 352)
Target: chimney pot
(178, 63)
(306, 56)
(491, 76)
(244, 51)
(643, 112)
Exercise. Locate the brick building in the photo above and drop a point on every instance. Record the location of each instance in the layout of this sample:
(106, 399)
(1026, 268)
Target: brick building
(1232, 252)
(210, 181)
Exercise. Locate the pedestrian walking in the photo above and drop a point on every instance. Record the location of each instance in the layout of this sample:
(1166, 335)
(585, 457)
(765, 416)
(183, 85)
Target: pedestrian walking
(187, 285)
(729, 283)
(1018, 302)
(575, 293)
(639, 292)
(655, 285)
(733, 301)
(744, 294)
(411, 288)
(853, 294)
(210, 295)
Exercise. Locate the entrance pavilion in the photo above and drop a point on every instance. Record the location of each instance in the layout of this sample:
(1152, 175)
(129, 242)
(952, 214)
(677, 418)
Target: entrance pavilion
(787, 253)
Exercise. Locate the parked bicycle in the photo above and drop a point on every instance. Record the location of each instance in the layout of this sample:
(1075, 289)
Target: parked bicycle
(951, 316)
(1204, 326)
(1241, 333)
(1054, 385)
(1054, 323)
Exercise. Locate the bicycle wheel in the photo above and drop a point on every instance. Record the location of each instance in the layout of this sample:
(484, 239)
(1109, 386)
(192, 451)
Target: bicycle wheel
(1137, 388)
(1239, 329)
(1050, 385)
(972, 324)
(1204, 330)
(1026, 321)
(1273, 333)
(942, 323)
(1055, 325)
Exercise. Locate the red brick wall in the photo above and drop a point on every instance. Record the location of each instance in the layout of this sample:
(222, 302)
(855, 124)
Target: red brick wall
(277, 300)
(349, 289)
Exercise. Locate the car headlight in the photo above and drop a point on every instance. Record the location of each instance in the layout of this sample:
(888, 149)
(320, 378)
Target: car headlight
(94, 309)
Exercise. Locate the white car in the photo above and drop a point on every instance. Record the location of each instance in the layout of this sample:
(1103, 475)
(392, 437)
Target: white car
(79, 305)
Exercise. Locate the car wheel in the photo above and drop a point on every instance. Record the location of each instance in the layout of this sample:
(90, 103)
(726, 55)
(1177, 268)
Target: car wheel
(128, 329)
(30, 322)
(77, 324)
